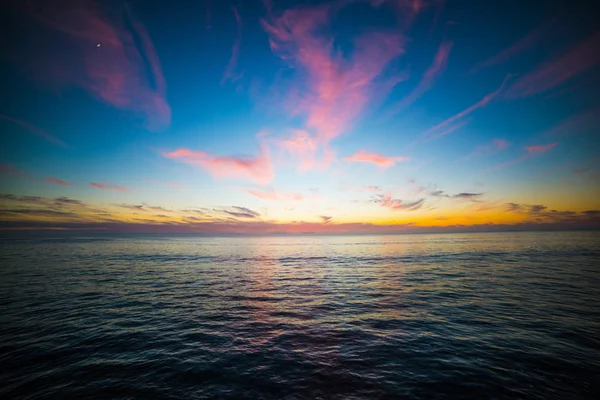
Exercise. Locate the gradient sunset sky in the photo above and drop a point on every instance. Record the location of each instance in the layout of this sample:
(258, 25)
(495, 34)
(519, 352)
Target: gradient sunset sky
(267, 116)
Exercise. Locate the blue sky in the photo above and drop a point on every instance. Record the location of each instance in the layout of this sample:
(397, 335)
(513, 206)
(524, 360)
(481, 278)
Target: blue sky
(366, 115)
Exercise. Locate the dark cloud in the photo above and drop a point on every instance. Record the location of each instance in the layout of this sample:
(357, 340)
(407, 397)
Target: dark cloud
(438, 193)
(157, 208)
(415, 205)
(246, 210)
(24, 199)
(537, 208)
(68, 201)
(326, 219)
(468, 196)
(463, 195)
(131, 206)
(241, 212)
(386, 200)
(31, 211)
(513, 207)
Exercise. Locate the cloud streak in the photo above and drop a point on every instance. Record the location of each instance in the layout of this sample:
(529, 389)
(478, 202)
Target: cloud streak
(35, 130)
(386, 200)
(235, 51)
(496, 146)
(554, 73)
(110, 57)
(57, 181)
(6, 169)
(272, 195)
(108, 187)
(531, 151)
(374, 158)
(258, 169)
(441, 129)
(437, 68)
(242, 212)
(520, 46)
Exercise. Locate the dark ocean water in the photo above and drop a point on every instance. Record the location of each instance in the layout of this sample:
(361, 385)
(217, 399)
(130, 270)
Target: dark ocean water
(478, 316)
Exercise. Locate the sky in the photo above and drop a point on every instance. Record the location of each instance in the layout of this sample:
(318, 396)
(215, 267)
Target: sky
(275, 116)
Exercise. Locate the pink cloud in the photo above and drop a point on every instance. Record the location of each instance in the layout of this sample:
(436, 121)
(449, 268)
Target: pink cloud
(334, 90)
(108, 187)
(374, 158)
(272, 195)
(429, 77)
(173, 184)
(406, 10)
(302, 146)
(235, 51)
(523, 44)
(554, 73)
(361, 189)
(110, 55)
(540, 149)
(35, 130)
(531, 151)
(576, 124)
(58, 181)
(434, 131)
(6, 169)
(581, 171)
(258, 169)
(495, 146)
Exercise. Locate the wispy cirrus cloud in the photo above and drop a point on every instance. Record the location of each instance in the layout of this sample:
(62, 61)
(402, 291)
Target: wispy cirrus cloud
(377, 159)
(171, 184)
(271, 194)
(531, 151)
(258, 168)
(474, 197)
(539, 148)
(6, 169)
(437, 68)
(230, 74)
(23, 199)
(518, 47)
(110, 55)
(326, 219)
(386, 200)
(35, 130)
(16, 212)
(541, 213)
(303, 146)
(242, 212)
(581, 171)
(65, 201)
(361, 189)
(582, 122)
(332, 90)
(446, 127)
(495, 146)
(558, 71)
(406, 10)
(57, 181)
(108, 187)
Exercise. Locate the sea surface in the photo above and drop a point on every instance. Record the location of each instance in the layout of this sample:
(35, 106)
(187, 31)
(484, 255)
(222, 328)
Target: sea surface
(450, 316)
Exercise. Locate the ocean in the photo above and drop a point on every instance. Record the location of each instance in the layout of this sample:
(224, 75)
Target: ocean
(513, 315)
